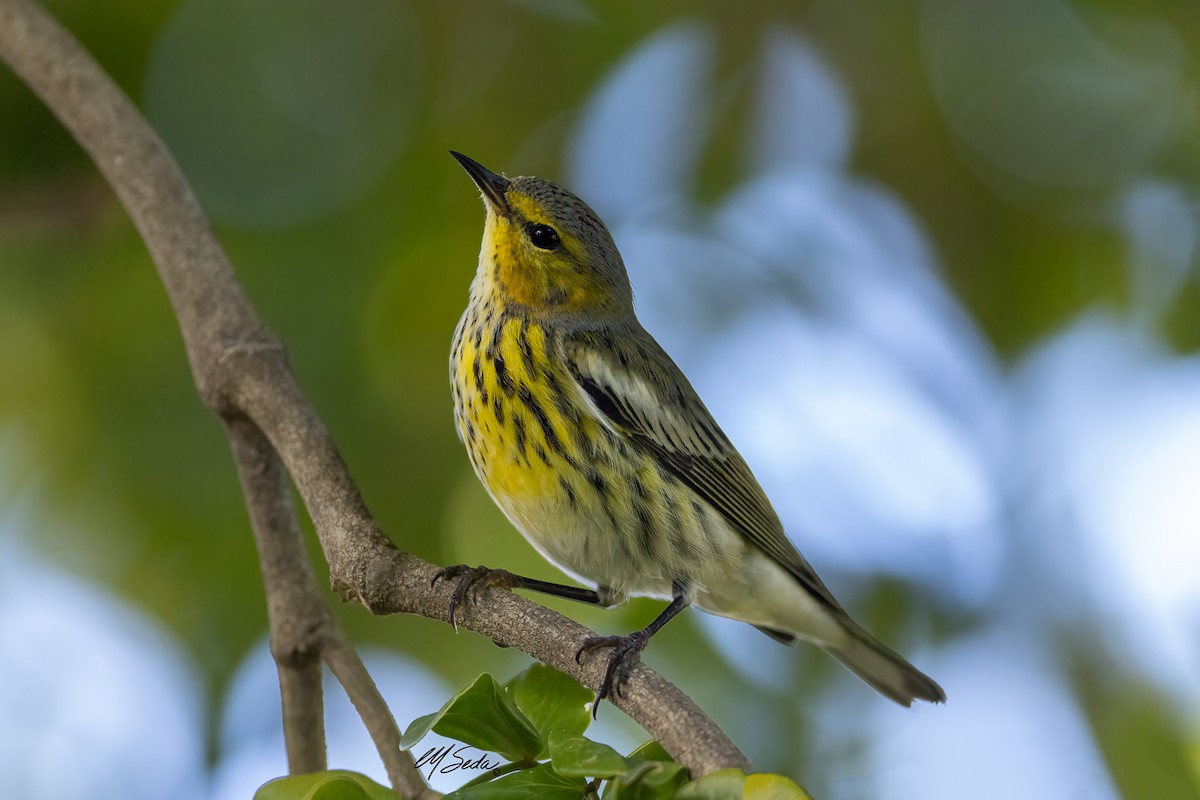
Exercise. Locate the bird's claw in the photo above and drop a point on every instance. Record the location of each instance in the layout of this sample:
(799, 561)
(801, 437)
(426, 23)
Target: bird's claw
(472, 580)
(621, 661)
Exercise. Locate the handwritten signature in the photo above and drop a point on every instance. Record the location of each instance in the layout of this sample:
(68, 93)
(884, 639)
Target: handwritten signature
(462, 759)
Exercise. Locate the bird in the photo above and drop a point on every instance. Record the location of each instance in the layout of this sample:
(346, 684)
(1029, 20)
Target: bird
(600, 452)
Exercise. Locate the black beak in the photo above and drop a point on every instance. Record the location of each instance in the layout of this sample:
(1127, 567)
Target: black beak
(492, 185)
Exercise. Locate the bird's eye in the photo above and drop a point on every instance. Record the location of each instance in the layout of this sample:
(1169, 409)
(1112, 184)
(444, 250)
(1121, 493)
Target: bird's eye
(543, 236)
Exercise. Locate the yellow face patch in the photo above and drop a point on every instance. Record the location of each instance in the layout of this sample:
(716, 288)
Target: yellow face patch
(519, 280)
(526, 207)
(538, 278)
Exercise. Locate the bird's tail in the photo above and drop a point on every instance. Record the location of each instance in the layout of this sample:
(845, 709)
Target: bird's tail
(884, 671)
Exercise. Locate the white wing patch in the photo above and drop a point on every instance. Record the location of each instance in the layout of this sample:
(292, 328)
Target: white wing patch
(661, 417)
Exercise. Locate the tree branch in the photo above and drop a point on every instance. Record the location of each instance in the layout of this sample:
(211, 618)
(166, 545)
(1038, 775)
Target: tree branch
(241, 373)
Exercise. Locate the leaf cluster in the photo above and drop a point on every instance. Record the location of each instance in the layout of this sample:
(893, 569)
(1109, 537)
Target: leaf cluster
(536, 721)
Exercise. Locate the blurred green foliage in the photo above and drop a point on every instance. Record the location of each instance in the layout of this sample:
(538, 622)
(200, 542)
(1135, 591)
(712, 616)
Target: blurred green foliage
(366, 281)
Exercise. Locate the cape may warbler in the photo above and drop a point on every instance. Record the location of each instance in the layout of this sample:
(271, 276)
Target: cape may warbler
(601, 453)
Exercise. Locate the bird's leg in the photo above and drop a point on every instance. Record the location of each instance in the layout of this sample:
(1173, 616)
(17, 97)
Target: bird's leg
(626, 649)
(474, 580)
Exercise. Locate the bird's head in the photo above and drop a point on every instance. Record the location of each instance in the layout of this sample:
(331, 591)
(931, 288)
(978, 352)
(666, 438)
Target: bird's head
(546, 251)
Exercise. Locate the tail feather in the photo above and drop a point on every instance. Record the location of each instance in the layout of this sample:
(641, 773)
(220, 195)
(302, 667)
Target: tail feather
(884, 670)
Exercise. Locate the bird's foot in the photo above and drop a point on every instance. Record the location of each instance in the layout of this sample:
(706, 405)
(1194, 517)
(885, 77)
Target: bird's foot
(621, 661)
(472, 581)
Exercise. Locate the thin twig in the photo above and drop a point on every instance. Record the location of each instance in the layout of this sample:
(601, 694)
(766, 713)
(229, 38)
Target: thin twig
(303, 630)
(298, 617)
(240, 372)
(348, 668)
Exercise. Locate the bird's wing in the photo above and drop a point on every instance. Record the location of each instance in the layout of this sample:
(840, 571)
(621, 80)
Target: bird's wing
(642, 395)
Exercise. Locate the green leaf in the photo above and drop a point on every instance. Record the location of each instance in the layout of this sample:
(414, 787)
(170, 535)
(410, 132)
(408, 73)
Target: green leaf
(551, 700)
(419, 728)
(580, 757)
(664, 773)
(337, 788)
(539, 783)
(651, 751)
(338, 784)
(772, 787)
(724, 784)
(646, 780)
(485, 717)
